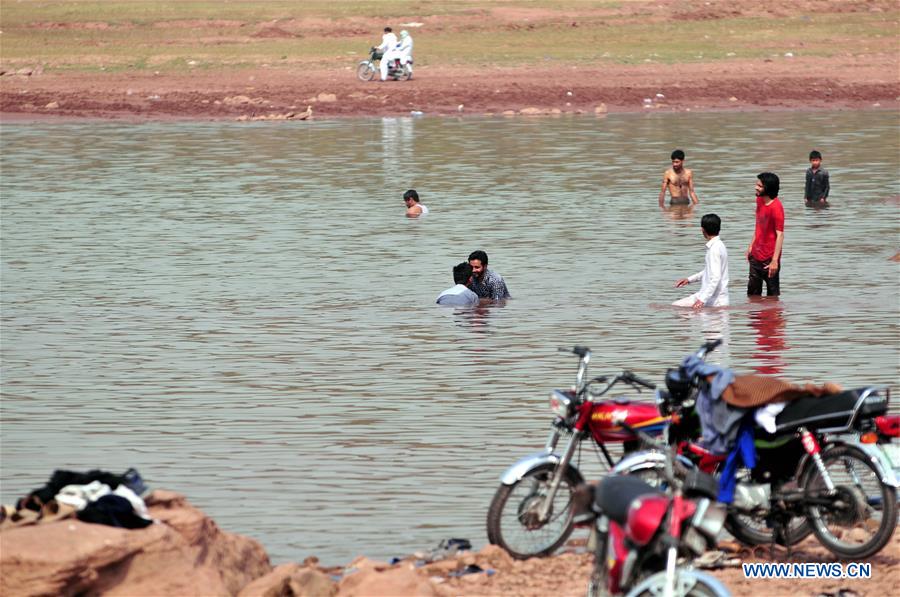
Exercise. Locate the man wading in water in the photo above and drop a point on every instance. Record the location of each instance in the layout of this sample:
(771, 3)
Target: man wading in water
(680, 182)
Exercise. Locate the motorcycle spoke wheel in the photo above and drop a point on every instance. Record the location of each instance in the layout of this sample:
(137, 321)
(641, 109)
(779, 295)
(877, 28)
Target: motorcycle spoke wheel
(755, 530)
(687, 584)
(861, 515)
(513, 516)
(365, 71)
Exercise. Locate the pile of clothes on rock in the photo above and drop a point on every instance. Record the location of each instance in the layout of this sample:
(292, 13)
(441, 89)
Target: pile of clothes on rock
(95, 496)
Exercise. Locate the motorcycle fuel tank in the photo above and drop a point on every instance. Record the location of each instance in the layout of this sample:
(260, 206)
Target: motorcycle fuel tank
(607, 418)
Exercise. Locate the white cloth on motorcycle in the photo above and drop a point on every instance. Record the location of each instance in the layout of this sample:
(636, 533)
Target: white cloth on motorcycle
(615, 493)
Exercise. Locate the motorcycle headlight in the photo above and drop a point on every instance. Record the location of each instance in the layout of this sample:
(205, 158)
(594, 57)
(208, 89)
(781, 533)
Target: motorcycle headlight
(561, 403)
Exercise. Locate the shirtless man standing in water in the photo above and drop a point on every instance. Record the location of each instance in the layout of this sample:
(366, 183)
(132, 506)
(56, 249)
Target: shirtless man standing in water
(680, 182)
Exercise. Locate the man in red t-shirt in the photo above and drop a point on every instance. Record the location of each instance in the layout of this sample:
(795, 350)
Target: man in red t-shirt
(764, 252)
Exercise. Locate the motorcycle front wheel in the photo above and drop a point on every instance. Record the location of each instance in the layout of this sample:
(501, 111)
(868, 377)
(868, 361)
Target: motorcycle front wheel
(365, 71)
(512, 519)
(688, 583)
(860, 517)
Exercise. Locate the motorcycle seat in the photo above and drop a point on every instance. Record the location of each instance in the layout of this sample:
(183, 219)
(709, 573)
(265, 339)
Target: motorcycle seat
(833, 412)
(615, 493)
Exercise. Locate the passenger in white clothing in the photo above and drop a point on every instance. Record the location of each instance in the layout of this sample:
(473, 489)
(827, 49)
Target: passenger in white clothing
(405, 48)
(714, 277)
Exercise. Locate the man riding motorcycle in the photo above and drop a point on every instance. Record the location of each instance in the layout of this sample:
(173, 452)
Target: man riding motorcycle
(399, 51)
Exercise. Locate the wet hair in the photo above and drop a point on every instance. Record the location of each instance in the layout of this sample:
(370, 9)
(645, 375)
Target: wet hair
(387, 29)
(815, 155)
(480, 256)
(461, 273)
(770, 184)
(711, 224)
(411, 194)
(677, 155)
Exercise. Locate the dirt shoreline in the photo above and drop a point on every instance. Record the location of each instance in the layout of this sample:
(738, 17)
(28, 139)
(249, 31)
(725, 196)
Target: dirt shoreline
(286, 93)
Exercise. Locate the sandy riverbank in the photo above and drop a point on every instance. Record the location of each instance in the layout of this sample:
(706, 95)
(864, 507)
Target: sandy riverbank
(472, 58)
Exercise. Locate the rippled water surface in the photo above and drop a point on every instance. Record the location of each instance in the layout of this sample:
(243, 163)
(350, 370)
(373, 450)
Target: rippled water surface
(243, 313)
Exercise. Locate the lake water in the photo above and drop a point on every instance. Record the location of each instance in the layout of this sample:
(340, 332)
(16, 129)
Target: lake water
(242, 312)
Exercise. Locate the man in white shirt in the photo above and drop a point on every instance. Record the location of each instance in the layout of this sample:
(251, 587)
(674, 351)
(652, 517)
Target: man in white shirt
(714, 277)
(459, 295)
(388, 45)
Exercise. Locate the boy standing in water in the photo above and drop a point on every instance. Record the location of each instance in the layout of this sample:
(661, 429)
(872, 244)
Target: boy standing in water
(714, 290)
(680, 183)
(764, 252)
(817, 185)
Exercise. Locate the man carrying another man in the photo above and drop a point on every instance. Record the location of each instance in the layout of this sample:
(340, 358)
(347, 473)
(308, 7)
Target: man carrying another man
(486, 283)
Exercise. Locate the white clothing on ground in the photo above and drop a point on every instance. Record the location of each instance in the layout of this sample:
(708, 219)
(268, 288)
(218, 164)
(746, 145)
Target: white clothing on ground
(714, 287)
(79, 496)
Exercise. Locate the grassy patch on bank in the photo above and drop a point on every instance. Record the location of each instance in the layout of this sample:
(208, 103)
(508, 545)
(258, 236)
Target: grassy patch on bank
(178, 36)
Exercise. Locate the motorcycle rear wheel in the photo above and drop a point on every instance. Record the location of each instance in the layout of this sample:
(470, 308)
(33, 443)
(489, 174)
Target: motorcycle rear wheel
(864, 503)
(511, 518)
(365, 71)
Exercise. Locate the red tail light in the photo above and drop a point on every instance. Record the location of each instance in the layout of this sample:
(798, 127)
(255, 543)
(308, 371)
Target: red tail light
(888, 425)
(645, 516)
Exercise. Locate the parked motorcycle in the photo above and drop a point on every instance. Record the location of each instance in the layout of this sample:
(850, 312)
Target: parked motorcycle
(644, 539)
(530, 512)
(807, 478)
(367, 69)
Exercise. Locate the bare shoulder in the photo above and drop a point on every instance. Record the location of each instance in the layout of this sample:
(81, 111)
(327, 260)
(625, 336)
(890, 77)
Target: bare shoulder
(668, 174)
(688, 173)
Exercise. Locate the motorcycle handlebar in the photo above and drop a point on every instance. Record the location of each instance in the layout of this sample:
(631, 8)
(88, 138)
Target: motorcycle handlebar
(708, 347)
(632, 378)
(580, 351)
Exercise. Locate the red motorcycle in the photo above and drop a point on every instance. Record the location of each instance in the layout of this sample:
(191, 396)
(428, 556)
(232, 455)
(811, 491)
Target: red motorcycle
(644, 539)
(530, 513)
(825, 469)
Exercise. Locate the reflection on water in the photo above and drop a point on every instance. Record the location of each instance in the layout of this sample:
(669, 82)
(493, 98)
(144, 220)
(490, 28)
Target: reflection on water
(768, 323)
(679, 212)
(243, 313)
(711, 324)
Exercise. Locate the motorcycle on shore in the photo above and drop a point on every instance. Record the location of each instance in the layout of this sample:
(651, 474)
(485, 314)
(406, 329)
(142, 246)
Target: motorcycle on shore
(644, 539)
(367, 69)
(530, 513)
(807, 478)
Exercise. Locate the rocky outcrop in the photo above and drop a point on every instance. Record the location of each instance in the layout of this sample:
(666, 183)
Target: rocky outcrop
(186, 553)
